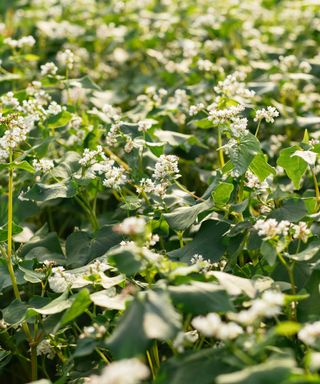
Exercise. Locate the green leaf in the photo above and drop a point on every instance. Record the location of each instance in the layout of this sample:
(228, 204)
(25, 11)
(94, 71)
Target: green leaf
(235, 285)
(82, 246)
(15, 312)
(222, 193)
(55, 306)
(200, 367)
(269, 252)
(209, 241)
(287, 328)
(307, 254)
(151, 316)
(59, 120)
(294, 166)
(68, 166)
(183, 217)
(260, 167)
(200, 298)
(80, 304)
(126, 260)
(242, 154)
(292, 209)
(275, 370)
(84, 82)
(46, 192)
(23, 165)
(105, 300)
(16, 229)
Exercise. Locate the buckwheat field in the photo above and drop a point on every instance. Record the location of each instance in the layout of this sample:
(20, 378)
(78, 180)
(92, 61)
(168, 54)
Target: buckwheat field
(159, 191)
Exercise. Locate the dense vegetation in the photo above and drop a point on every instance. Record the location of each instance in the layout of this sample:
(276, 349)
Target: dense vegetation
(159, 197)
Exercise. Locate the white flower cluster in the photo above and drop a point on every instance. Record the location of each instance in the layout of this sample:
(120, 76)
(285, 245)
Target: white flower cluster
(269, 305)
(201, 263)
(185, 339)
(150, 186)
(9, 100)
(212, 326)
(271, 228)
(238, 127)
(194, 109)
(90, 157)
(42, 165)
(233, 86)
(111, 112)
(127, 371)
(145, 125)
(95, 330)
(45, 348)
(252, 181)
(48, 69)
(131, 226)
(99, 165)
(66, 58)
(268, 114)
(15, 134)
(220, 116)
(310, 333)
(166, 167)
(24, 42)
(114, 176)
(54, 108)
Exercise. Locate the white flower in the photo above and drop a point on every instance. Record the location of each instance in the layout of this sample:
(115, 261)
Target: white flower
(111, 112)
(45, 348)
(269, 305)
(310, 333)
(301, 231)
(268, 114)
(252, 181)
(212, 326)
(16, 132)
(233, 86)
(238, 127)
(131, 226)
(194, 109)
(90, 157)
(166, 167)
(48, 69)
(271, 228)
(54, 108)
(220, 116)
(25, 41)
(66, 58)
(315, 361)
(305, 67)
(127, 371)
(144, 125)
(42, 165)
(201, 263)
(9, 100)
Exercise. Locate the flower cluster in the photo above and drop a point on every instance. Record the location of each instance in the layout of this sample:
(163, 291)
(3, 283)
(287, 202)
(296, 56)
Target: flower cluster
(127, 371)
(211, 325)
(268, 114)
(271, 228)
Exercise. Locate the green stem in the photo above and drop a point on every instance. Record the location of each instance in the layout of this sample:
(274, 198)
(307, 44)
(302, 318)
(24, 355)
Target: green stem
(17, 295)
(220, 150)
(316, 187)
(258, 128)
(290, 270)
(91, 215)
(184, 189)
